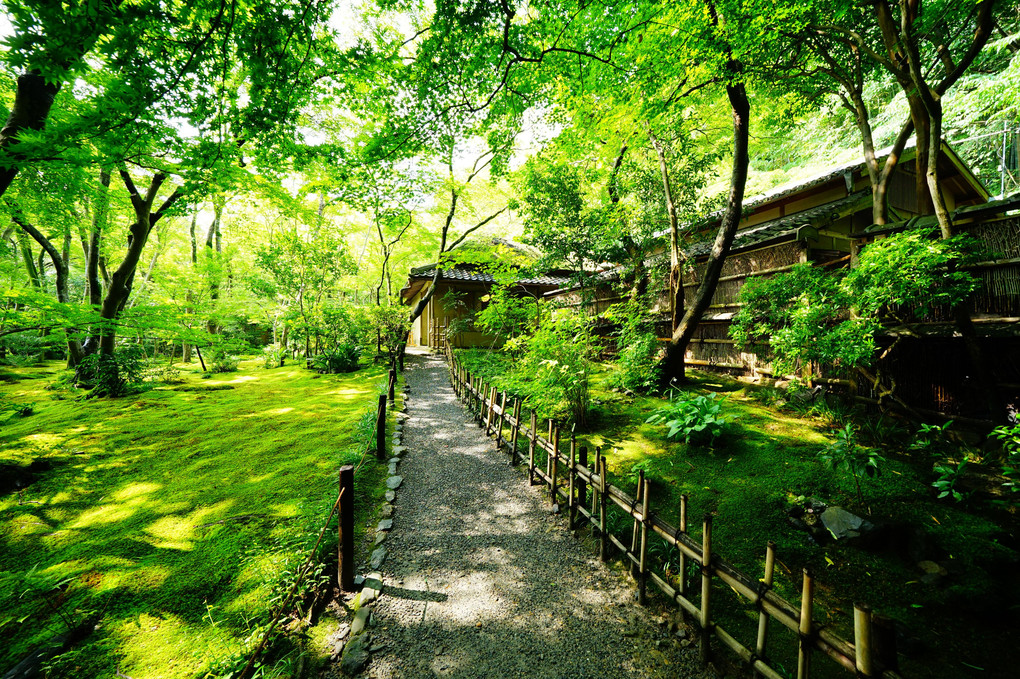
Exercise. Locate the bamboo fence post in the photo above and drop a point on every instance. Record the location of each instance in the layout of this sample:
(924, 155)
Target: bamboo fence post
(548, 455)
(554, 466)
(345, 539)
(582, 489)
(683, 557)
(643, 562)
(491, 393)
(391, 390)
(465, 395)
(706, 587)
(515, 432)
(380, 428)
(571, 500)
(862, 640)
(636, 528)
(766, 585)
(806, 602)
(593, 470)
(603, 535)
(502, 419)
(532, 435)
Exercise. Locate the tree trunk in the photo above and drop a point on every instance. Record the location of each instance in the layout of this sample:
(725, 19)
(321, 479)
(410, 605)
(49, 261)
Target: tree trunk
(93, 285)
(673, 363)
(33, 99)
(676, 282)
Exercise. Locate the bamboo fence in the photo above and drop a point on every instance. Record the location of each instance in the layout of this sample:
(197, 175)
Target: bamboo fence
(587, 494)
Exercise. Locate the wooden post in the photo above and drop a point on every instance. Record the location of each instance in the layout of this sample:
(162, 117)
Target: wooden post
(532, 435)
(643, 560)
(345, 539)
(491, 393)
(806, 601)
(392, 386)
(683, 557)
(636, 528)
(502, 419)
(763, 617)
(706, 587)
(582, 489)
(554, 459)
(603, 535)
(571, 500)
(862, 640)
(380, 428)
(515, 432)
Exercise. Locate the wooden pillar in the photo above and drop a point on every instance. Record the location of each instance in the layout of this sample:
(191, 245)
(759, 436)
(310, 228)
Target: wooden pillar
(380, 428)
(683, 557)
(345, 538)
(806, 602)
(582, 489)
(515, 432)
(554, 460)
(706, 588)
(491, 393)
(603, 535)
(643, 559)
(502, 419)
(862, 640)
(636, 527)
(391, 392)
(532, 435)
(763, 616)
(571, 474)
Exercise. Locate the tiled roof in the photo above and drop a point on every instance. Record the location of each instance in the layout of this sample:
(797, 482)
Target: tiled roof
(482, 277)
(783, 226)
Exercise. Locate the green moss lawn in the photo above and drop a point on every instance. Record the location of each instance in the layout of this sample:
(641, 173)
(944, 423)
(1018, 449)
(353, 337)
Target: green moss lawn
(175, 517)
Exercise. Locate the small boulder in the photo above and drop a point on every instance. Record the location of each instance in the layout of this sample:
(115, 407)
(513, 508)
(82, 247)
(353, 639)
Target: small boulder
(390, 496)
(355, 656)
(842, 524)
(384, 525)
(394, 482)
(378, 557)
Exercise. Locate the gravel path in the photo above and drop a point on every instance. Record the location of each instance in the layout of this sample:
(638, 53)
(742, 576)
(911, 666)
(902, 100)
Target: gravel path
(483, 581)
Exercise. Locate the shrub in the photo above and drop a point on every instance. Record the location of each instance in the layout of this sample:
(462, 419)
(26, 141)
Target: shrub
(272, 356)
(116, 375)
(847, 456)
(1010, 438)
(638, 346)
(168, 374)
(341, 359)
(691, 417)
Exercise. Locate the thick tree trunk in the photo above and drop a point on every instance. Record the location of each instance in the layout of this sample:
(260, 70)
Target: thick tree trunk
(673, 363)
(33, 99)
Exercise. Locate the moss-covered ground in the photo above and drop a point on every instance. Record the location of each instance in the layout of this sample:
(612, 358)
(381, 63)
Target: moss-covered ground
(173, 519)
(960, 624)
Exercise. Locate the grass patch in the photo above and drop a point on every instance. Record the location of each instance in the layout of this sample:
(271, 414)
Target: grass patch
(174, 517)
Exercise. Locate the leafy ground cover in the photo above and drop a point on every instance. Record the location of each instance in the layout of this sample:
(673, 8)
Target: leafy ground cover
(176, 518)
(767, 460)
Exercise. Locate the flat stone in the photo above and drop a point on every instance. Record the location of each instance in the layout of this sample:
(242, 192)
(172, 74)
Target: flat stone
(394, 482)
(359, 580)
(393, 468)
(387, 511)
(394, 460)
(399, 450)
(378, 557)
(380, 538)
(841, 523)
(390, 496)
(355, 656)
(360, 621)
(385, 524)
(932, 568)
(398, 427)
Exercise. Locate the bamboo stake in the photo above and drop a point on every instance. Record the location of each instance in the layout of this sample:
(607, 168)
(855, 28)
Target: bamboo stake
(603, 536)
(531, 449)
(502, 419)
(554, 466)
(491, 393)
(636, 528)
(643, 562)
(571, 500)
(582, 489)
(548, 455)
(706, 587)
(515, 432)
(593, 469)
(862, 640)
(683, 557)
(806, 601)
(763, 617)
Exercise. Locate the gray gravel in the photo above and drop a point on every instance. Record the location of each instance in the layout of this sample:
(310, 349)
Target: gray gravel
(481, 580)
